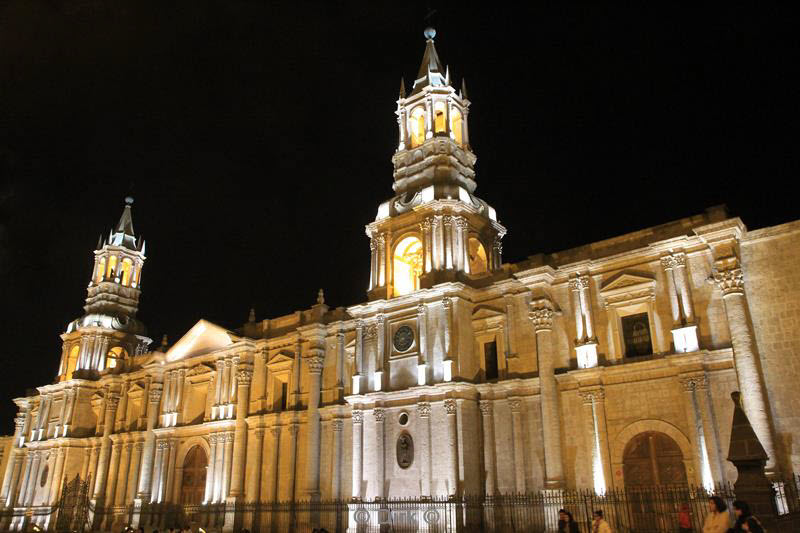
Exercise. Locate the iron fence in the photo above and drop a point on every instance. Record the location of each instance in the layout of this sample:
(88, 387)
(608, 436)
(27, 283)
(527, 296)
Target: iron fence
(640, 510)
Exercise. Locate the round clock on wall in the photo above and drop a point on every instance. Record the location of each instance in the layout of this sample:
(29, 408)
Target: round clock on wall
(403, 338)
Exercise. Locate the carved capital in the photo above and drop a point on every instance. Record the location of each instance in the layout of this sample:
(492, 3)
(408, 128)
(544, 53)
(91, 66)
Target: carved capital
(515, 405)
(679, 259)
(315, 364)
(498, 246)
(19, 422)
(591, 396)
(668, 262)
(421, 309)
(450, 406)
(436, 222)
(425, 225)
(694, 382)
(139, 446)
(293, 429)
(379, 414)
(541, 315)
(447, 303)
(372, 245)
(275, 431)
(358, 416)
(424, 409)
(579, 283)
(162, 445)
(447, 220)
(380, 240)
(244, 376)
(112, 401)
(155, 393)
(486, 407)
(461, 222)
(380, 320)
(337, 425)
(730, 281)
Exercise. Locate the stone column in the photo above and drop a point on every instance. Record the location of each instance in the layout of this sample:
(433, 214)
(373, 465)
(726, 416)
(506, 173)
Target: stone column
(668, 264)
(244, 375)
(447, 364)
(293, 428)
(381, 242)
(436, 224)
(358, 358)
(209, 496)
(315, 363)
(425, 228)
(58, 473)
(696, 437)
(219, 466)
(340, 341)
(424, 414)
(682, 286)
(710, 429)
(380, 453)
(358, 427)
(19, 424)
(422, 360)
(273, 484)
(220, 364)
(113, 470)
(373, 262)
(254, 481)
(169, 471)
(730, 281)
(226, 465)
(15, 469)
(336, 469)
(598, 473)
(447, 222)
(515, 405)
(133, 472)
(542, 317)
(108, 425)
(489, 446)
(452, 448)
(95, 451)
(26, 479)
(257, 393)
(380, 329)
(34, 472)
(497, 254)
(146, 471)
(158, 468)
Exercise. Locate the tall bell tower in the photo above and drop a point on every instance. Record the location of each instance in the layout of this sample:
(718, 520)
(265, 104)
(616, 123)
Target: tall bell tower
(109, 334)
(434, 229)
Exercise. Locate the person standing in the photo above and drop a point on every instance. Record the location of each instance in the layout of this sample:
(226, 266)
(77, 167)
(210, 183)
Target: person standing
(566, 523)
(599, 524)
(685, 519)
(752, 525)
(741, 512)
(717, 520)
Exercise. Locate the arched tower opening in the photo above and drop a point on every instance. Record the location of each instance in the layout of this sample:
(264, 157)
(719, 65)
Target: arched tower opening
(407, 265)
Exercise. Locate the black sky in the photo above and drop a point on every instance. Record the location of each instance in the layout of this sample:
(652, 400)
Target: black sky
(257, 141)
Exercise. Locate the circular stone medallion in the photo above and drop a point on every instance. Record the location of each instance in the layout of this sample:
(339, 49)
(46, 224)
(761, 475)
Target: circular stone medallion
(403, 338)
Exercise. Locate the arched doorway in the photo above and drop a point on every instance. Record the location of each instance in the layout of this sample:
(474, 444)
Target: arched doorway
(194, 476)
(652, 458)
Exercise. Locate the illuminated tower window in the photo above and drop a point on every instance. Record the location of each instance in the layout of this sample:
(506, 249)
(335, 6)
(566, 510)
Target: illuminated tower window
(126, 267)
(101, 269)
(417, 127)
(112, 266)
(115, 357)
(456, 126)
(477, 257)
(407, 265)
(439, 117)
(72, 360)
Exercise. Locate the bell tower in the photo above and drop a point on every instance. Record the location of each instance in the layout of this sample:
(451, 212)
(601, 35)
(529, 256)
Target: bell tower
(434, 229)
(108, 334)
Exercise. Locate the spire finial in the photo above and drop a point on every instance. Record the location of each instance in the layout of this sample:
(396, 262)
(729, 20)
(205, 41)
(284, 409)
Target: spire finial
(320, 297)
(252, 317)
(402, 88)
(164, 343)
(129, 200)
(430, 33)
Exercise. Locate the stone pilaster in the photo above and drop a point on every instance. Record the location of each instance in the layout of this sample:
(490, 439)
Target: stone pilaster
(702, 474)
(58, 474)
(227, 463)
(113, 470)
(337, 425)
(730, 280)
(315, 364)
(542, 317)
(108, 425)
(244, 375)
(422, 359)
(358, 464)
(450, 408)
(210, 471)
(515, 405)
(293, 429)
(254, 481)
(380, 453)
(146, 471)
(489, 460)
(275, 431)
(133, 472)
(424, 414)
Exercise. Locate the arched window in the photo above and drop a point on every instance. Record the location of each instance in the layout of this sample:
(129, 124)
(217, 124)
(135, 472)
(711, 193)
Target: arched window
(126, 267)
(439, 122)
(457, 126)
(194, 476)
(115, 356)
(99, 270)
(72, 360)
(477, 257)
(417, 126)
(112, 266)
(407, 265)
(137, 272)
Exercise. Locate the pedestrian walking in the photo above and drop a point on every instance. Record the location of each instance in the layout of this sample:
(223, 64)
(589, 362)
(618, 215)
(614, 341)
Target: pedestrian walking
(566, 523)
(717, 520)
(752, 525)
(685, 519)
(599, 524)
(741, 512)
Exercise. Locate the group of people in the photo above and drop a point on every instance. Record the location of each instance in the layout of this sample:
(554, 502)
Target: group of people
(718, 520)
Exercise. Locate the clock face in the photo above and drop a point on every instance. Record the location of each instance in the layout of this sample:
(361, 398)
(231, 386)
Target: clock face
(403, 338)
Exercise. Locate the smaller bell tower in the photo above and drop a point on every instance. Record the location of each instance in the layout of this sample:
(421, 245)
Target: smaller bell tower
(109, 334)
(434, 229)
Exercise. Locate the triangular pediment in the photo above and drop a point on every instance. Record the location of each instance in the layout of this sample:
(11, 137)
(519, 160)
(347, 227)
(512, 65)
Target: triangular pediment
(284, 356)
(484, 311)
(135, 387)
(626, 279)
(203, 338)
(198, 370)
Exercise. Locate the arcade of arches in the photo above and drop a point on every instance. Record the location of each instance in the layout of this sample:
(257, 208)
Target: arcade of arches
(653, 458)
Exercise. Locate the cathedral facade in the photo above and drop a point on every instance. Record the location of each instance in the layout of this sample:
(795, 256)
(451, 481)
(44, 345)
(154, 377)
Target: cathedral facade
(604, 366)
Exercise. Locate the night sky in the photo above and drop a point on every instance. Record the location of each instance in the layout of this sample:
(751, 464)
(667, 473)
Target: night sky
(257, 141)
